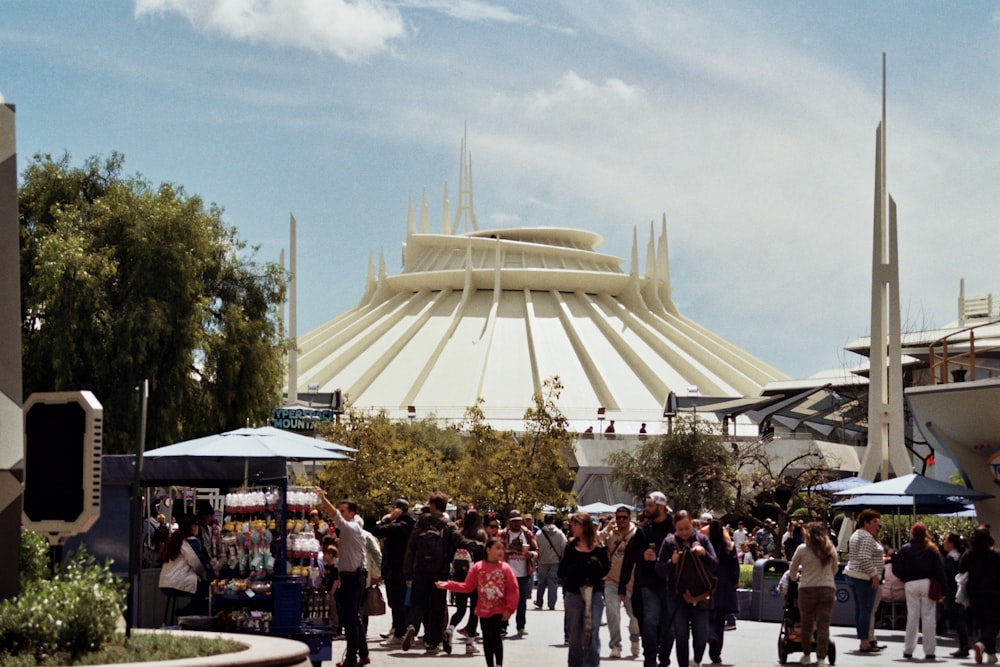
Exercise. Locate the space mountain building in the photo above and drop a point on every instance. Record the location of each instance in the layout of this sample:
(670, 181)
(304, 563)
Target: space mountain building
(491, 314)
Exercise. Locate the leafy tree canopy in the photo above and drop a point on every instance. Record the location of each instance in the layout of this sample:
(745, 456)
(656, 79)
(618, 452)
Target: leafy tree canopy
(122, 282)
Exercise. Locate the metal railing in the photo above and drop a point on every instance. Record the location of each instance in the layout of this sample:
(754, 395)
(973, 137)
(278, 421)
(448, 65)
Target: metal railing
(947, 367)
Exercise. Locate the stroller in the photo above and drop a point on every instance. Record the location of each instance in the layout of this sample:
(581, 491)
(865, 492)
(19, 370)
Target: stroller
(790, 638)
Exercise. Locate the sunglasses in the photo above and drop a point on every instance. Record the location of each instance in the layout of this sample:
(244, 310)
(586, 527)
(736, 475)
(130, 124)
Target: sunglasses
(493, 525)
(623, 518)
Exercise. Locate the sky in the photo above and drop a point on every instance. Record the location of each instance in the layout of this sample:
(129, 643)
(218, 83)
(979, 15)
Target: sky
(750, 126)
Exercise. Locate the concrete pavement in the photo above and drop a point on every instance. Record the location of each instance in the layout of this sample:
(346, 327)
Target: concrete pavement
(751, 644)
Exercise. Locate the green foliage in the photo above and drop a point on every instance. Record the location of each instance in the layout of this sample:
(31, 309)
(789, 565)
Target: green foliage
(394, 460)
(121, 282)
(74, 612)
(488, 468)
(691, 463)
(896, 529)
(142, 647)
(746, 576)
(503, 470)
(34, 558)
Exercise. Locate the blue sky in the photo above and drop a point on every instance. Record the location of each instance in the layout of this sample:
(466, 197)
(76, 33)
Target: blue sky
(750, 125)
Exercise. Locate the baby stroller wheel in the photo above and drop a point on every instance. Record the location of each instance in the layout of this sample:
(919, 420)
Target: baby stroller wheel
(831, 653)
(783, 651)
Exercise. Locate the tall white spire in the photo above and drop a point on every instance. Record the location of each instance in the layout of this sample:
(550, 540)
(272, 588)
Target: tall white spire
(464, 209)
(886, 441)
(425, 213)
(663, 269)
(446, 227)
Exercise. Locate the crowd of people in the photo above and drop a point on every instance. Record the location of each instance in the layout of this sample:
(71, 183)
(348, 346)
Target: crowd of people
(674, 575)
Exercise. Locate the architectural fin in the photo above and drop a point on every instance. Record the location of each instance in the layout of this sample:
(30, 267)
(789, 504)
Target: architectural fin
(446, 227)
(468, 290)
(464, 210)
(411, 218)
(369, 283)
(663, 269)
(632, 296)
(472, 208)
(425, 215)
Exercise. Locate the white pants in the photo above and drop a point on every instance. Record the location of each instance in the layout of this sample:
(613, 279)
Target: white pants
(920, 610)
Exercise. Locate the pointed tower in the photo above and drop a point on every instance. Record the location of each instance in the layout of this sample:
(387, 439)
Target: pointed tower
(886, 450)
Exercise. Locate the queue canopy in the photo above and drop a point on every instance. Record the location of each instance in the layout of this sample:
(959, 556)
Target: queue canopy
(256, 443)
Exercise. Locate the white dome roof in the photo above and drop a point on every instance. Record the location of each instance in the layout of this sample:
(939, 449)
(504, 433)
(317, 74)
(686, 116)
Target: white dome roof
(493, 314)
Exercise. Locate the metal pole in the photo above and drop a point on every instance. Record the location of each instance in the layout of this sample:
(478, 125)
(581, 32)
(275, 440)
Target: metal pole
(135, 525)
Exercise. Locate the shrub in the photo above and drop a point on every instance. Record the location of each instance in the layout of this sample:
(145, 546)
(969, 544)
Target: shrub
(746, 576)
(74, 612)
(34, 558)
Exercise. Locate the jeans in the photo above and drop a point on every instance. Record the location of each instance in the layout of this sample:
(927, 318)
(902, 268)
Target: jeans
(613, 610)
(864, 603)
(428, 605)
(688, 616)
(582, 654)
(657, 633)
(524, 589)
(348, 597)
(920, 610)
(547, 582)
(395, 593)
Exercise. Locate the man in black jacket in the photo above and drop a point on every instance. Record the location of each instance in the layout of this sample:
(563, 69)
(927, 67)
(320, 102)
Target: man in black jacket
(395, 529)
(649, 587)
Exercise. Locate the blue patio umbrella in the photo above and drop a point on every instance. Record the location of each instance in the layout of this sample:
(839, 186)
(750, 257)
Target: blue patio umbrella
(915, 485)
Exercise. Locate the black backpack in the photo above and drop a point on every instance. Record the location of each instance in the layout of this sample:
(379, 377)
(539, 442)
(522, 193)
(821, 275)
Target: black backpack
(429, 555)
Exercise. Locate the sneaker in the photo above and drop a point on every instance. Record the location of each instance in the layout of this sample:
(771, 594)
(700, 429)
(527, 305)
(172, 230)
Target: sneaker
(908, 656)
(538, 606)
(960, 653)
(635, 648)
(407, 640)
(463, 632)
(930, 657)
(470, 649)
(821, 662)
(991, 658)
(521, 632)
(432, 649)
(616, 653)
(392, 642)
(978, 649)
(806, 659)
(446, 640)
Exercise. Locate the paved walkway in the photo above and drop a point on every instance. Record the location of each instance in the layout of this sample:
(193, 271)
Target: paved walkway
(751, 644)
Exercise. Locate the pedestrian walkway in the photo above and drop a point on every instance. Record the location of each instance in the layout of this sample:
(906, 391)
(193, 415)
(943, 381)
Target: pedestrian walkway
(751, 644)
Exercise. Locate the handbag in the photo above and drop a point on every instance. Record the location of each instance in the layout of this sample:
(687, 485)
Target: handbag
(934, 590)
(373, 603)
(962, 594)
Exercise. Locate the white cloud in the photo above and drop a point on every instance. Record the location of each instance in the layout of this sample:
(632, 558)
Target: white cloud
(574, 91)
(351, 31)
(468, 10)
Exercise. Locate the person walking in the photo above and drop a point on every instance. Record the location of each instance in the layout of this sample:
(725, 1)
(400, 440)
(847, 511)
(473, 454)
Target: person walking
(521, 548)
(461, 564)
(394, 529)
(982, 563)
(690, 618)
(725, 602)
(864, 574)
(953, 547)
(919, 566)
(497, 596)
(649, 586)
(582, 570)
(765, 539)
(551, 545)
(814, 565)
(616, 537)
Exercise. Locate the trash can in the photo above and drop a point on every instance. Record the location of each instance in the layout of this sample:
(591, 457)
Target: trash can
(766, 603)
(843, 604)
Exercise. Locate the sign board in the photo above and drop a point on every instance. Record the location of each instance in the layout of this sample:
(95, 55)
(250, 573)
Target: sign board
(62, 462)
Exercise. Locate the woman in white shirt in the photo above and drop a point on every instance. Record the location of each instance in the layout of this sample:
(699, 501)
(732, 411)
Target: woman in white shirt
(866, 561)
(814, 565)
(183, 573)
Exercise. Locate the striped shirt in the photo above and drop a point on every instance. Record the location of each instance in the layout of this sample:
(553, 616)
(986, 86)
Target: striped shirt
(865, 556)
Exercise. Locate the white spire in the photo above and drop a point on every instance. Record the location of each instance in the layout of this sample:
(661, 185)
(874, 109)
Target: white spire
(464, 208)
(663, 269)
(425, 214)
(446, 212)
(411, 219)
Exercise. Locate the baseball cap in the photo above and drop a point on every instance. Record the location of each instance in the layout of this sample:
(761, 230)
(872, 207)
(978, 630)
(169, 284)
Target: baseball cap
(706, 518)
(402, 504)
(514, 515)
(657, 498)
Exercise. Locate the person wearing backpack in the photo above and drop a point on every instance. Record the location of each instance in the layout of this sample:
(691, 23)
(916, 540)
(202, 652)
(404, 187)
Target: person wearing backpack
(428, 559)
(521, 548)
(688, 562)
(472, 528)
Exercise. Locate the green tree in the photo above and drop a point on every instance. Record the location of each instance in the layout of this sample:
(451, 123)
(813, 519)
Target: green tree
(395, 459)
(504, 470)
(690, 463)
(122, 282)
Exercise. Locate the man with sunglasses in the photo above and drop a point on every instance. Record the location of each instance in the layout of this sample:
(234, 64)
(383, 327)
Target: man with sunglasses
(616, 537)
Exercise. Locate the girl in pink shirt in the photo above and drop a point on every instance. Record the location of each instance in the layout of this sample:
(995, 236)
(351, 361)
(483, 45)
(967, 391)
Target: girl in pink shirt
(498, 596)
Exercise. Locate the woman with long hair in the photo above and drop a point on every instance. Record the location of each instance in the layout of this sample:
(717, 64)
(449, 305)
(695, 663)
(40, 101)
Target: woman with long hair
(582, 568)
(183, 573)
(814, 565)
(725, 601)
(982, 562)
(866, 561)
(461, 563)
(919, 566)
